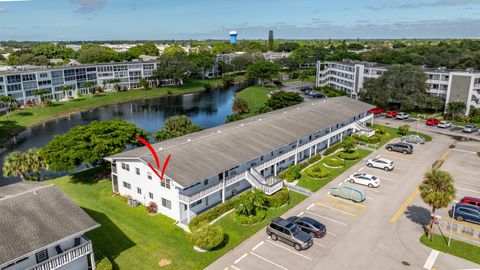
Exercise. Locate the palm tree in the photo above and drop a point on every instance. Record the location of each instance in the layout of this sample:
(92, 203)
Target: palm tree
(90, 85)
(245, 208)
(8, 101)
(303, 76)
(15, 165)
(66, 88)
(41, 93)
(35, 162)
(437, 190)
(257, 198)
(348, 144)
(115, 83)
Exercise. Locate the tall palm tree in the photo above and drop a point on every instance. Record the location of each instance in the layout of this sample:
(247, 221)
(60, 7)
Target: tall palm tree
(8, 101)
(65, 89)
(257, 197)
(16, 165)
(41, 93)
(90, 85)
(35, 162)
(437, 190)
(245, 207)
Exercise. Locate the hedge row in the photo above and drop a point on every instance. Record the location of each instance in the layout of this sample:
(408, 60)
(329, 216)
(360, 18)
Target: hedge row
(314, 158)
(349, 156)
(332, 149)
(214, 213)
(249, 220)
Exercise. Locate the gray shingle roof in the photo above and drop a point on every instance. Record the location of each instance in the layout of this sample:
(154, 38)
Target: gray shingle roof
(34, 215)
(203, 154)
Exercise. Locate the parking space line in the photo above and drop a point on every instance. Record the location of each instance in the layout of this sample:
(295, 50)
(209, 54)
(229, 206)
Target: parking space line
(318, 244)
(301, 213)
(239, 259)
(311, 205)
(369, 198)
(404, 205)
(332, 220)
(267, 260)
(346, 201)
(386, 178)
(234, 267)
(259, 244)
(469, 190)
(431, 259)
(289, 250)
(469, 184)
(332, 234)
(463, 223)
(335, 209)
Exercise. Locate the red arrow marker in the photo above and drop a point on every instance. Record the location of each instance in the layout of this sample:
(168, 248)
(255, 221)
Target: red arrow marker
(155, 156)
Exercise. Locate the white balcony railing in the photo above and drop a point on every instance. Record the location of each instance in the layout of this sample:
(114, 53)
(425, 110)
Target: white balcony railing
(257, 183)
(66, 257)
(476, 86)
(210, 190)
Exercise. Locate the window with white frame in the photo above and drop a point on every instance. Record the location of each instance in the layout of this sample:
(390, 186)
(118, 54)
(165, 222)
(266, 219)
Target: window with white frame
(139, 190)
(125, 166)
(165, 183)
(150, 195)
(149, 175)
(166, 203)
(137, 171)
(196, 203)
(127, 185)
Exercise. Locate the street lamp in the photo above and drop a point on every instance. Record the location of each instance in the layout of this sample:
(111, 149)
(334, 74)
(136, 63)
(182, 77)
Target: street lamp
(451, 223)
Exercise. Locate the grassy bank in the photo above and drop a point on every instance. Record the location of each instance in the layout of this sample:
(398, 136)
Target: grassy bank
(457, 248)
(21, 119)
(256, 96)
(131, 239)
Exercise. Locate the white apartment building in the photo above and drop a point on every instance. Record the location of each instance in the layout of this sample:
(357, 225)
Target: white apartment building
(451, 85)
(41, 229)
(211, 166)
(21, 84)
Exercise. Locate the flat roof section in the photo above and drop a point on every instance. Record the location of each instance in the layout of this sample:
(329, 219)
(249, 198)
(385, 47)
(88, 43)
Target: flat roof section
(198, 156)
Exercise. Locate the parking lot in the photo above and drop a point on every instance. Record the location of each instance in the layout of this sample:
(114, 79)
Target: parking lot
(356, 229)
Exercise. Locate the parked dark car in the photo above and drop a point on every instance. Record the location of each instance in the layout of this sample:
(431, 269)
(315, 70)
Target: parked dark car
(310, 226)
(288, 232)
(401, 147)
(314, 94)
(305, 89)
(465, 212)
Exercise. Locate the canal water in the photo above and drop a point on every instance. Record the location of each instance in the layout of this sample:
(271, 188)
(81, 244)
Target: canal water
(206, 109)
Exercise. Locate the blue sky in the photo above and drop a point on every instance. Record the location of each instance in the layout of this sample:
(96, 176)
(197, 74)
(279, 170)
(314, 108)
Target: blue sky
(197, 19)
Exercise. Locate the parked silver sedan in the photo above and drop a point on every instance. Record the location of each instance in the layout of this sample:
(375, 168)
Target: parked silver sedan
(444, 124)
(470, 129)
(413, 139)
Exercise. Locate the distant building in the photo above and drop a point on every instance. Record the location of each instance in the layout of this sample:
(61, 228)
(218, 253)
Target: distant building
(42, 229)
(74, 47)
(271, 56)
(450, 85)
(119, 47)
(233, 37)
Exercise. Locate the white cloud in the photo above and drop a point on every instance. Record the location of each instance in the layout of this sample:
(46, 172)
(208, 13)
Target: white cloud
(89, 6)
(2, 10)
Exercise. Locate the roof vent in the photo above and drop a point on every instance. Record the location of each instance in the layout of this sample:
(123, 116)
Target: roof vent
(298, 108)
(285, 112)
(189, 140)
(219, 131)
(160, 148)
(260, 119)
(241, 125)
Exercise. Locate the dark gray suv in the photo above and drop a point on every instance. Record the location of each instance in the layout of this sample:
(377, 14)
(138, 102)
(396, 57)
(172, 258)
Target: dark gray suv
(288, 232)
(401, 147)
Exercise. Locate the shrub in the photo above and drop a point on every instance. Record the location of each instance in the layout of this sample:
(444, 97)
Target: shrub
(403, 130)
(293, 173)
(478, 154)
(278, 199)
(380, 130)
(349, 156)
(249, 220)
(333, 162)
(207, 236)
(464, 118)
(332, 149)
(374, 139)
(169, 92)
(233, 117)
(314, 159)
(318, 172)
(208, 86)
(152, 208)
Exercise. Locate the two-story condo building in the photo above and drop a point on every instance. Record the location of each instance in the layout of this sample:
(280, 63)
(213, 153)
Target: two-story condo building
(213, 165)
(451, 85)
(41, 229)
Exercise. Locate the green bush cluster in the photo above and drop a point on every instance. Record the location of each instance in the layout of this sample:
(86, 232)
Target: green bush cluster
(380, 130)
(214, 213)
(318, 172)
(250, 220)
(293, 172)
(278, 199)
(314, 158)
(403, 130)
(374, 139)
(333, 162)
(349, 156)
(332, 149)
(207, 236)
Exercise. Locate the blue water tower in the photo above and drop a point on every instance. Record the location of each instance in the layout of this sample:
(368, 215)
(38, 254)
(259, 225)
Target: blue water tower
(233, 37)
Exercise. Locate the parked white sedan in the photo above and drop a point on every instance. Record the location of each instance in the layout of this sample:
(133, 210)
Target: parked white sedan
(402, 116)
(444, 124)
(381, 163)
(364, 179)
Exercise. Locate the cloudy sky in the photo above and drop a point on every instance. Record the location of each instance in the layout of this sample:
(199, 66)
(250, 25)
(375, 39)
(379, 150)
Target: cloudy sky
(204, 19)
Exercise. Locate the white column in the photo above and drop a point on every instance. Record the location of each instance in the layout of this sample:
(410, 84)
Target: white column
(315, 149)
(310, 152)
(223, 189)
(188, 213)
(296, 154)
(341, 136)
(275, 169)
(92, 260)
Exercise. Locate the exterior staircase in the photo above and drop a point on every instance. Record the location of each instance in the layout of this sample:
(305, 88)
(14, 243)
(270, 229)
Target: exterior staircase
(269, 186)
(361, 129)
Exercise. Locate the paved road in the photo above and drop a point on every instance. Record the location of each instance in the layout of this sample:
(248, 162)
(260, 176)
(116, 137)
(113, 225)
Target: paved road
(360, 236)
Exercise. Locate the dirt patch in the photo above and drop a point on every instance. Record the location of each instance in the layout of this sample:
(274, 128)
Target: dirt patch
(164, 262)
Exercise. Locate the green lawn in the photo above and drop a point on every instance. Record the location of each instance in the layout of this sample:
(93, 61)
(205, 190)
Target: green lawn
(256, 97)
(457, 248)
(132, 239)
(316, 184)
(21, 119)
